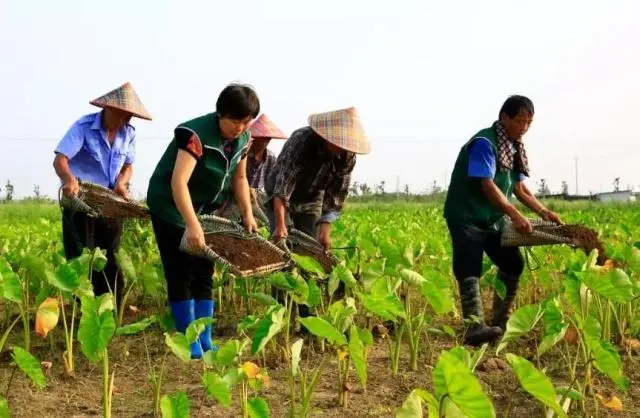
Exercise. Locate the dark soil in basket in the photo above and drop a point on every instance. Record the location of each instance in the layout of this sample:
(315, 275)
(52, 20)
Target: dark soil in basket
(585, 238)
(325, 261)
(245, 254)
(114, 207)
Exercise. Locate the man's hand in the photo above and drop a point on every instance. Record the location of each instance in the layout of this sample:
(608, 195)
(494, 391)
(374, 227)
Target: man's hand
(280, 232)
(250, 223)
(324, 235)
(521, 223)
(550, 216)
(121, 189)
(71, 187)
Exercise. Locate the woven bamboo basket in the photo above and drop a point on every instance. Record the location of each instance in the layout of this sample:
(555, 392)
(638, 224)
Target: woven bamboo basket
(214, 225)
(298, 240)
(97, 201)
(544, 233)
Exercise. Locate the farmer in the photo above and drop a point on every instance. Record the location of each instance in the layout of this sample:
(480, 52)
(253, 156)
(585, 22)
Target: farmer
(490, 168)
(261, 160)
(308, 185)
(99, 148)
(204, 162)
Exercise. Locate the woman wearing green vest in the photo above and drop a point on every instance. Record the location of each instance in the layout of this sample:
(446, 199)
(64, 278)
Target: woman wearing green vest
(491, 167)
(203, 164)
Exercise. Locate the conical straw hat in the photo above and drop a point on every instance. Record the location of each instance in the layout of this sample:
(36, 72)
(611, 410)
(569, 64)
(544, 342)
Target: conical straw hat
(264, 128)
(123, 98)
(342, 128)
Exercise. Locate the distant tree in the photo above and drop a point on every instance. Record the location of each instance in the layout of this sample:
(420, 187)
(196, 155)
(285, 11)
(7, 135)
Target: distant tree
(565, 188)
(354, 188)
(365, 190)
(435, 189)
(380, 188)
(36, 192)
(406, 189)
(8, 191)
(616, 184)
(543, 189)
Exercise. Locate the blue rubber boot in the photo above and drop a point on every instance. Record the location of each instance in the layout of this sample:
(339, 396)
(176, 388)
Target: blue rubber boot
(183, 314)
(205, 309)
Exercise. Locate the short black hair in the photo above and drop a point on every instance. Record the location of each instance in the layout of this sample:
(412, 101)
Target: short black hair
(238, 101)
(514, 104)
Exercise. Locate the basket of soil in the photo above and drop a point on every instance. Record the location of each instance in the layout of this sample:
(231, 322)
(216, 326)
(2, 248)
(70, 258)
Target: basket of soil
(244, 254)
(303, 244)
(96, 201)
(549, 233)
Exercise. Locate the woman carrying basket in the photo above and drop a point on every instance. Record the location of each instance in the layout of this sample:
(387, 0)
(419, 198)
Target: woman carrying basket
(490, 168)
(203, 164)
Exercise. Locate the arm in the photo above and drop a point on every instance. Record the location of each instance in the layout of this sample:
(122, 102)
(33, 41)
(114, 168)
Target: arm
(482, 166)
(67, 148)
(288, 167)
(334, 197)
(527, 198)
(240, 187)
(182, 170)
(122, 183)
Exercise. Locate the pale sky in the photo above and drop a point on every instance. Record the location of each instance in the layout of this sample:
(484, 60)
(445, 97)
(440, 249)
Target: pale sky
(424, 76)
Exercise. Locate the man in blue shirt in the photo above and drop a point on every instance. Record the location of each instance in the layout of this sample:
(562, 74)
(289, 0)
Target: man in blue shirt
(99, 148)
(491, 168)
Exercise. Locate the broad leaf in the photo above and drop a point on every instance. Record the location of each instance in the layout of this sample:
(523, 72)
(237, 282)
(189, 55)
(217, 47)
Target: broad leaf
(10, 285)
(412, 278)
(296, 351)
(196, 327)
(388, 307)
(137, 327)
(607, 361)
(264, 299)
(126, 265)
(267, 328)
(343, 274)
(47, 316)
(453, 378)
(29, 366)
(175, 406)
(178, 345)
(356, 353)
(308, 264)
(95, 329)
(535, 382)
(228, 353)
(412, 406)
(520, 323)
(258, 408)
(65, 278)
(217, 388)
(314, 298)
(321, 328)
(99, 260)
(615, 285)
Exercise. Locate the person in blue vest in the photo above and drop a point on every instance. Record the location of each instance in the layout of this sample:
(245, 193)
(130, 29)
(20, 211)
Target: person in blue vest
(99, 148)
(203, 165)
(491, 168)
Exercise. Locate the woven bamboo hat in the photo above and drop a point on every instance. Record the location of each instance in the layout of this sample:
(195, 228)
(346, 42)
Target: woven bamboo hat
(123, 98)
(342, 128)
(264, 128)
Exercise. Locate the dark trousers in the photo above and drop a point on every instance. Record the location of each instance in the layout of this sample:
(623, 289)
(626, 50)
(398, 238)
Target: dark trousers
(80, 231)
(471, 242)
(187, 276)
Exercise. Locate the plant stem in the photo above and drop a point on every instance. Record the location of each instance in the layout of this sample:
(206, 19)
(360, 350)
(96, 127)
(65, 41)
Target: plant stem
(106, 399)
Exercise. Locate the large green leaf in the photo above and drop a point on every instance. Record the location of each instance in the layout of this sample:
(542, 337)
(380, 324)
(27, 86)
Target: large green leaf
(196, 327)
(607, 361)
(178, 345)
(388, 307)
(356, 354)
(4, 408)
(555, 326)
(99, 259)
(520, 323)
(343, 274)
(308, 264)
(412, 406)
(97, 326)
(137, 327)
(126, 265)
(269, 326)
(614, 285)
(29, 366)
(264, 299)
(65, 278)
(535, 382)
(412, 278)
(453, 378)
(258, 408)
(10, 286)
(323, 329)
(176, 406)
(314, 298)
(217, 388)
(228, 353)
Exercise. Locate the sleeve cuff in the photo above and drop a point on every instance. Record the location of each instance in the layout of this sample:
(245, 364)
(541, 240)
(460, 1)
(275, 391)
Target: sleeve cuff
(329, 217)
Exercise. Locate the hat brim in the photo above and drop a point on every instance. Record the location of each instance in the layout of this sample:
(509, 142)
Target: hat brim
(358, 146)
(136, 114)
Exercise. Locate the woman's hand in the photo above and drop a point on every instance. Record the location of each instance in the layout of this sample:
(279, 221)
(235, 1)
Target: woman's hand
(195, 236)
